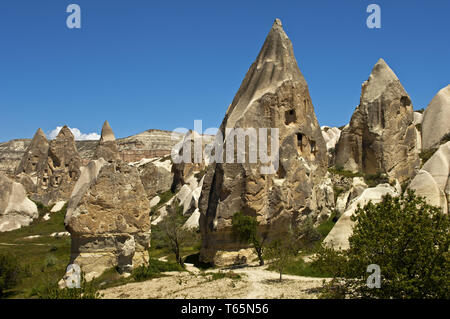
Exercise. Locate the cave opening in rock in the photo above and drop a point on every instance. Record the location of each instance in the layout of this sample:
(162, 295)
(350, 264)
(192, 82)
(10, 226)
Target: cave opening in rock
(289, 117)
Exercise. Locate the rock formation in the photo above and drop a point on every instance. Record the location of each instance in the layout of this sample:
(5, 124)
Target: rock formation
(50, 170)
(156, 175)
(16, 210)
(436, 119)
(433, 180)
(35, 157)
(381, 137)
(273, 94)
(108, 218)
(331, 136)
(107, 146)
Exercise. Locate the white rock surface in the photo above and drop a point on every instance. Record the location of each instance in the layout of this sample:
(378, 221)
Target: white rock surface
(57, 207)
(16, 210)
(436, 119)
(331, 136)
(193, 220)
(433, 181)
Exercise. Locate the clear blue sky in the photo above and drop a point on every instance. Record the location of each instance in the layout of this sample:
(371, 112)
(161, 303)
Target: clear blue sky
(163, 64)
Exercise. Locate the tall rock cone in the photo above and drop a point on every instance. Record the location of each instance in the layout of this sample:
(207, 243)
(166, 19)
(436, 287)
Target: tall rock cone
(107, 146)
(35, 156)
(273, 95)
(381, 137)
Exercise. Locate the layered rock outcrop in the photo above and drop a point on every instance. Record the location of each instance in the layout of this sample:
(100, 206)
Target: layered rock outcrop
(107, 146)
(108, 218)
(381, 136)
(16, 210)
(436, 119)
(433, 180)
(156, 175)
(273, 94)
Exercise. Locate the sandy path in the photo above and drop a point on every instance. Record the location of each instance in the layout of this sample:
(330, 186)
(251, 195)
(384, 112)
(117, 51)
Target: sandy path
(255, 283)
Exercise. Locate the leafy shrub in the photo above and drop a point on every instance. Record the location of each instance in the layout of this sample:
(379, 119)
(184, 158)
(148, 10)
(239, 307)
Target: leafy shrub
(88, 290)
(9, 272)
(376, 179)
(245, 228)
(154, 269)
(407, 238)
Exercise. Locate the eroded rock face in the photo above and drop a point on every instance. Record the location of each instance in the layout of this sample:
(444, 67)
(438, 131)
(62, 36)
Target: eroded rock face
(436, 119)
(16, 210)
(432, 181)
(381, 136)
(274, 94)
(108, 218)
(107, 146)
(156, 175)
(49, 170)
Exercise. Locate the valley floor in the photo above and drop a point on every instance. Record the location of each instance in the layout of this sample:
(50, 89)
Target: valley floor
(254, 283)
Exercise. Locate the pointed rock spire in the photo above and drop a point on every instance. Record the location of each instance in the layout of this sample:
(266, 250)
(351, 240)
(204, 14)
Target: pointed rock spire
(35, 156)
(273, 95)
(65, 133)
(381, 137)
(274, 65)
(107, 146)
(107, 133)
(380, 77)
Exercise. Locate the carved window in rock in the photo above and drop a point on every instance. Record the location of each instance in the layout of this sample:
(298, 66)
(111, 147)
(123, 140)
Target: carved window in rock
(290, 117)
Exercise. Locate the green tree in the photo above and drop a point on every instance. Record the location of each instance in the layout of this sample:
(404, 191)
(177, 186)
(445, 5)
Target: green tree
(407, 238)
(281, 251)
(246, 229)
(172, 234)
(9, 272)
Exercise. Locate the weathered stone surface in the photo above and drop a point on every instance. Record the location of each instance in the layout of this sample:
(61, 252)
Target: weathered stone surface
(108, 218)
(11, 154)
(338, 237)
(273, 94)
(16, 210)
(436, 119)
(35, 157)
(107, 146)
(432, 181)
(381, 136)
(193, 221)
(156, 175)
(418, 118)
(50, 170)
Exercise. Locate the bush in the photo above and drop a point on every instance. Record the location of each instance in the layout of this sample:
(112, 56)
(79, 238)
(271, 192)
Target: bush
(407, 238)
(154, 269)
(9, 272)
(88, 290)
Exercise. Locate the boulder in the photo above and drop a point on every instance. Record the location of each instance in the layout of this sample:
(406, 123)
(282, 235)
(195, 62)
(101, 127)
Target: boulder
(436, 121)
(338, 237)
(381, 137)
(108, 218)
(276, 190)
(16, 210)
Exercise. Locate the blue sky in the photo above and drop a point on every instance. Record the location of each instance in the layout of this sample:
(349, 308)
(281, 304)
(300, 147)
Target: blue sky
(163, 64)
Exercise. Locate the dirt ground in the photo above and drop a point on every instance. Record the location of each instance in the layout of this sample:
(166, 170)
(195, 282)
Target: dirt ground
(255, 283)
